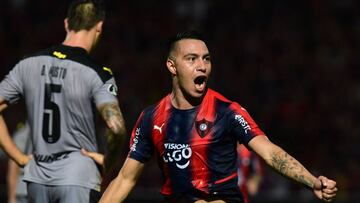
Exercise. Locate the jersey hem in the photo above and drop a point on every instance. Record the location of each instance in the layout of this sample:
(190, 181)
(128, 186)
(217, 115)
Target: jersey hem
(57, 183)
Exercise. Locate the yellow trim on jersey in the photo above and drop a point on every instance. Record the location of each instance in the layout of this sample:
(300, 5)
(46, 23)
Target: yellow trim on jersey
(59, 54)
(108, 70)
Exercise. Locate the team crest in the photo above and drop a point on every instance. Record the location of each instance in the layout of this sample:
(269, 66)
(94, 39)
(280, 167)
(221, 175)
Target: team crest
(203, 127)
(112, 89)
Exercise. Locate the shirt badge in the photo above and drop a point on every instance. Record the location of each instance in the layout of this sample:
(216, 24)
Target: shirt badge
(203, 127)
(112, 89)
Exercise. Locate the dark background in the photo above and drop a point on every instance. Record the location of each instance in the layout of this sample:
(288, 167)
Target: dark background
(293, 64)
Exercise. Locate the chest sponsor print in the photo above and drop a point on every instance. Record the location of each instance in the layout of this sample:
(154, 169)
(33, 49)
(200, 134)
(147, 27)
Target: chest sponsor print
(177, 153)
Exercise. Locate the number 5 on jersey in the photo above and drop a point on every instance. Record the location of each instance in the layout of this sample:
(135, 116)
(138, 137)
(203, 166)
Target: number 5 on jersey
(51, 117)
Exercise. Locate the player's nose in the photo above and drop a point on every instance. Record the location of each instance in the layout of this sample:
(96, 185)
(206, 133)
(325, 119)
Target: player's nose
(201, 66)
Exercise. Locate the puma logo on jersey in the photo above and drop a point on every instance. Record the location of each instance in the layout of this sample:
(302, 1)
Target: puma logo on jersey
(59, 54)
(108, 70)
(156, 127)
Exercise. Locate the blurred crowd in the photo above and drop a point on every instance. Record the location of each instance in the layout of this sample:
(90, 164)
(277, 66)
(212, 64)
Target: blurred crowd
(292, 64)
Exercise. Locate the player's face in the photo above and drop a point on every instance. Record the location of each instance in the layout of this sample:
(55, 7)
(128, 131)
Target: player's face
(192, 66)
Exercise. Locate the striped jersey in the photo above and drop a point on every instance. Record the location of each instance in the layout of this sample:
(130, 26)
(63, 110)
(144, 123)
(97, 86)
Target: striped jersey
(61, 87)
(196, 148)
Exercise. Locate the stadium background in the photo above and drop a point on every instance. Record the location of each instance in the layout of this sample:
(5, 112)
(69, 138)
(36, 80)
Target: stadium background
(293, 64)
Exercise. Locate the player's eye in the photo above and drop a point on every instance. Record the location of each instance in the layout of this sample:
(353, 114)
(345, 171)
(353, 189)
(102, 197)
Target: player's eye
(191, 59)
(207, 59)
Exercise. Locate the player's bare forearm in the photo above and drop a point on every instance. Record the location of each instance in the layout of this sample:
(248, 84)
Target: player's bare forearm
(114, 119)
(121, 186)
(12, 179)
(3, 104)
(118, 190)
(290, 167)
(281, 161)
(9, 147)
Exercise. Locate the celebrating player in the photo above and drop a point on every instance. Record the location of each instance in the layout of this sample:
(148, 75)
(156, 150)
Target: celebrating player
(195, 131)
(61, 86)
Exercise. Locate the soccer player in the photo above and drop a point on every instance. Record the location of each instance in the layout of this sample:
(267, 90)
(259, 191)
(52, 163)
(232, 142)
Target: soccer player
(62, 88)
(194, 132)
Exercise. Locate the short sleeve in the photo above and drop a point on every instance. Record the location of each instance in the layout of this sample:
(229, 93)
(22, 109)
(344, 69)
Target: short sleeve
(141, 145)
(242, 125)
(104, 91)
(11, 87)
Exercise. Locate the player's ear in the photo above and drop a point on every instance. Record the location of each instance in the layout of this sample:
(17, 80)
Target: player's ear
(170, 64)
(98, 27)
(66, 25)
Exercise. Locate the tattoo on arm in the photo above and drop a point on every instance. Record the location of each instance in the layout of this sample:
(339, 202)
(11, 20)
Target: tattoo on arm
(290, 167)
(113, 117)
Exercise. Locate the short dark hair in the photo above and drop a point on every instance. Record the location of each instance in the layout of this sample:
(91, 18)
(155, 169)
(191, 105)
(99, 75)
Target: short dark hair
(191, 34)
(85, 14)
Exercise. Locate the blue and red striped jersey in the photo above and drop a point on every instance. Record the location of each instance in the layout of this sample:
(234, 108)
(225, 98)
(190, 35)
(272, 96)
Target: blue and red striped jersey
(196, 148)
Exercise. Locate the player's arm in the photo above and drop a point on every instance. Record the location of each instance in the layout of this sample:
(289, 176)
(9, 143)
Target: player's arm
(3, 105)
(7, 144)
(113, 117)
(12, 179)
(288, 166)
(97, 157)
(121, 186)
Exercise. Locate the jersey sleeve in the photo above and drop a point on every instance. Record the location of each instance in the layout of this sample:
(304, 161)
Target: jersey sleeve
(104, 89)
(141, 145)
(242, 125)
(11, 87)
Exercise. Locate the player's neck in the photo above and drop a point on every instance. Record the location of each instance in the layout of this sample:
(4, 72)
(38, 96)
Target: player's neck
(84, 39)
(182, 101)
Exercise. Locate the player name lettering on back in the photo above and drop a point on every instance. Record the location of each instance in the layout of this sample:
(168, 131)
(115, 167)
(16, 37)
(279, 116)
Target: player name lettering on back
(54, 71)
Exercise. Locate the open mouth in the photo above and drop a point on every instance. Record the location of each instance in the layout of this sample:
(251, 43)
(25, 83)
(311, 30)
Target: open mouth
(200, 82)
